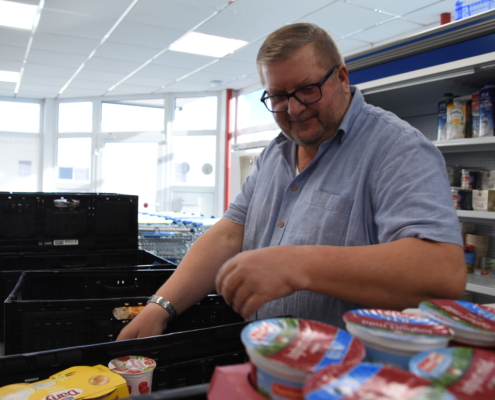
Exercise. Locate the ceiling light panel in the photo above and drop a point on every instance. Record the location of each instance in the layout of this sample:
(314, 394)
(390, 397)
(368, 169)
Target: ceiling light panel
(17, 15)
(9, 76)
(207, 45)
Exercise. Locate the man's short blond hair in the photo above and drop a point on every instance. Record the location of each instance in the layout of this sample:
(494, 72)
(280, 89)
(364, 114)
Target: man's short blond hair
(284, 42)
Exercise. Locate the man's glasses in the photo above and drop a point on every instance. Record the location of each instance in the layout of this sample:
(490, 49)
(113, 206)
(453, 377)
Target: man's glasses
(308, 94)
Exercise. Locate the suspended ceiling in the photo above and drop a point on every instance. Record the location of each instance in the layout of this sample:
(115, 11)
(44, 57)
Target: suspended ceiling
(135, 57)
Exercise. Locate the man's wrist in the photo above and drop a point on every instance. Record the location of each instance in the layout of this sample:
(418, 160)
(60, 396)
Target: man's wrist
(165, 304)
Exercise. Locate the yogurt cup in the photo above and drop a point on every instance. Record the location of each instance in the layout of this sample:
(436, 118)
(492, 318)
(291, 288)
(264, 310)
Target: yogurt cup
(473, 324)
(286, 350)
(371, 381)
(466, 372)
(137, 372)
(393, 337)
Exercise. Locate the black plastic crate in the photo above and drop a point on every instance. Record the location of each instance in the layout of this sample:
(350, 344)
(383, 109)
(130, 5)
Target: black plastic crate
(13, 264)
(56, 309)
(58, 221)
(184, 359)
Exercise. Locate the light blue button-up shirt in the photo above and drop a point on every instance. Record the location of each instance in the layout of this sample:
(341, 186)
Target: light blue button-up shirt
(376, 180)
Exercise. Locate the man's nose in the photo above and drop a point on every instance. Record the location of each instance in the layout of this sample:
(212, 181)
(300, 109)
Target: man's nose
(295, 107)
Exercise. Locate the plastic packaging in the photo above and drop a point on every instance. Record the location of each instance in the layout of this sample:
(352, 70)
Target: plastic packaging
(487, 110)
(442, 116)
(137, 372)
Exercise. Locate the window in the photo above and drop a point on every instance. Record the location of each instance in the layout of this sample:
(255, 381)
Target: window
(75, 117)
(147, 115)
(195, 113)
(194, 160)
(19, 117)
(251, 111)
(74, 160)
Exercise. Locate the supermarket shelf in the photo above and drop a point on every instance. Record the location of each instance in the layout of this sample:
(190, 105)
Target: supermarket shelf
(464, 145)
(476, 214)
(481, 284)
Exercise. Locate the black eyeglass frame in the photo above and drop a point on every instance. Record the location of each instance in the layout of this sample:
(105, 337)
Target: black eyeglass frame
(264, 96)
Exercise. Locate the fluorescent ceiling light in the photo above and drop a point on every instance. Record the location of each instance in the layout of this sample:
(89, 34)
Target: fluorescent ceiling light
(17, 15)
(9, 76)
(206, 45)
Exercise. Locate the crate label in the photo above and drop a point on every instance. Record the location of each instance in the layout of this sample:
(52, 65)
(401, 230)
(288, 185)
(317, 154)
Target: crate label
(72, 242)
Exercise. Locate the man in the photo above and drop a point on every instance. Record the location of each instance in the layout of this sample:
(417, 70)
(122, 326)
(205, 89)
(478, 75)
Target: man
(350, 207)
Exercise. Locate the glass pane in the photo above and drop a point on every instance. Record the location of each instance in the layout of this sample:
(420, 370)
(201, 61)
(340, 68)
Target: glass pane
(74, 159)
(131, 168)
(251, 111)
(195, 113)
(19, 164)
(254, 137)
(75, 117)
(132, 118)
(19, 117)
(194, 160)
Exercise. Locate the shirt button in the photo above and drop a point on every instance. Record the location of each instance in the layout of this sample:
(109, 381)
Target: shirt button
(281, 224)
(293, 188)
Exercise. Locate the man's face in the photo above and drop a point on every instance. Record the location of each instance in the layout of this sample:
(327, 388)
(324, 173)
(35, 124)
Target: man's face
(312, 124)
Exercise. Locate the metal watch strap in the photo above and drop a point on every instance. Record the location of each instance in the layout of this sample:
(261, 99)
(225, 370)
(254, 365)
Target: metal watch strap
(167, 305)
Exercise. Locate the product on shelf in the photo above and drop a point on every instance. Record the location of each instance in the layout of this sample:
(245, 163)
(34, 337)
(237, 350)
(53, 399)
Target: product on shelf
(487, 110)
(442, 116)
(484, 200)
(475, 115)
(459, 118)
(393, 337)
(488, 180)
(480, 245)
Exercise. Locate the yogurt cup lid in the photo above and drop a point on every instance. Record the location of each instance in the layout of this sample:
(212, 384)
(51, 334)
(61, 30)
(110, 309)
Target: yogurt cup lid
(461, 314)
(467, 372)
(301, 344)
(397, 325)
(371, 381)
(132, 365)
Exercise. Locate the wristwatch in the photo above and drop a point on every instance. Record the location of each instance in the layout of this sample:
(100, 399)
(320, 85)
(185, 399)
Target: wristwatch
(167, 305)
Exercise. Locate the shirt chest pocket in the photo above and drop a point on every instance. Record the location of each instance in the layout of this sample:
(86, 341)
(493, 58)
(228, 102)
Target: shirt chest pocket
(322, 219)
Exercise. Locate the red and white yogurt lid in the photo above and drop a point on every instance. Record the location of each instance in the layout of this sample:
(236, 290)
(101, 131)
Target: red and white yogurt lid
(132, 365)
(301, 344)
(370, 381)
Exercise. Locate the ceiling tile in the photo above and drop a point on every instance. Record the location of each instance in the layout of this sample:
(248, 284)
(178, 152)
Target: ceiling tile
(14, 37)
(97, 8)
(431, 15)
(231, 67)
(96, 85)
(169, 13)
(12, 53)
(40, 91)
(247, 54)
(155, 82)
(133, 89)
(64, 44)
(101, 76)
(120, 51)
(181, 60)
(32, 79)
(72, 92)
(350, 46)
(185, 86)
(14, 66)
(55, 58)
(163, 71)
(400, 7)
(216, 4)
(142, 34)
(76, 25)
(238, 26)
(48, 70)
(331, 19)
(110, 65)
(394, 28)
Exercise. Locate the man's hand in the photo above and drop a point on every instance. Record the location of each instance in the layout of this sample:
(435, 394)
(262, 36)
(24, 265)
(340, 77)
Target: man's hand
(252, 278)
(151, 321)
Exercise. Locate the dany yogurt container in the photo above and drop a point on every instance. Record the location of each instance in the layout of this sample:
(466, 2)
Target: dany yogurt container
(393, 337)
(473, 324)
(286, 351)
(371, 381)
(466, 372)
(137, 372)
